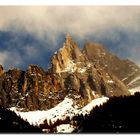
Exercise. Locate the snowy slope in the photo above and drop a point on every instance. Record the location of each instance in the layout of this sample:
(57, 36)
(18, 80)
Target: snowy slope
(133, 90)
(93, 103)
(60, 111)
(64, 109)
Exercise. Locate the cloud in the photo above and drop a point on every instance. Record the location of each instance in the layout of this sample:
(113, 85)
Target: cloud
(10, 59)
(117, 27)
(3, 57)
(76, 19)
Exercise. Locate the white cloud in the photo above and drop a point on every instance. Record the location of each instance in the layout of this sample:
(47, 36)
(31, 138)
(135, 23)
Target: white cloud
(3, 57)
(99, 21)
(80, 20)
(10, 59)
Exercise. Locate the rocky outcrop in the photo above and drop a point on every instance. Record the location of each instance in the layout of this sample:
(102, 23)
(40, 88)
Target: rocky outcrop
(74, 73)
(65, 59)
(125, 70)
(94, 79)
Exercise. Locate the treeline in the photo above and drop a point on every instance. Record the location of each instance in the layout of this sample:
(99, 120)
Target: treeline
(118, 115)
(11, 123)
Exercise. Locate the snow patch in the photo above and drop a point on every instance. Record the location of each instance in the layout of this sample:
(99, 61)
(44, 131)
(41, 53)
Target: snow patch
(26, 94)
(110, 81)
(125, 78)
(93, 93)
(55, 52)
(82, 70)
(133, 90)
(93, 103)
(61, 111)
(71, 67)
(65, 128)
(88, 65)
(64, 109)
(134, 80)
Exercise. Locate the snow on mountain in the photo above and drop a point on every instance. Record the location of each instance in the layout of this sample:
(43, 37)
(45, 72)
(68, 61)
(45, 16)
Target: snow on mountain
(134, 80)
(93, 103)
(134, 85)
(133, 90)
(71, 67)
(64, 109)
(110, 81)
(65, 128)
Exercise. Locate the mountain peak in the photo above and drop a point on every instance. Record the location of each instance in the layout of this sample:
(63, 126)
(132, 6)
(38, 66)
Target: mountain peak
(66, 56)
(69, 43)
(68, 38)
(74, 74)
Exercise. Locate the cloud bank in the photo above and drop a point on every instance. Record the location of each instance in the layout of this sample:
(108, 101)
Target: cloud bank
(115, 26)
(78, 20)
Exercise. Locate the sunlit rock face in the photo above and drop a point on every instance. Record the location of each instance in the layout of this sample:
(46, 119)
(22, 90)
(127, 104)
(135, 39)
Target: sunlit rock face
(125, 70)
(82, 75)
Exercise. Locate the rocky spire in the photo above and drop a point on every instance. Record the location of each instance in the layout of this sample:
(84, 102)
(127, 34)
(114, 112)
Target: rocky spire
(66, 56)
(68, 38)
(69, 43)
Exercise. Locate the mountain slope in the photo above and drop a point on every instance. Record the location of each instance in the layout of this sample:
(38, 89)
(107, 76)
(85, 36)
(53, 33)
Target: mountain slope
(127, 71)
(72, 74)
(70, 61)
(60, 116)
(117, 115)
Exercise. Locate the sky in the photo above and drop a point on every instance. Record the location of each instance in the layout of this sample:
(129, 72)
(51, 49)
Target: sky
(31, 34)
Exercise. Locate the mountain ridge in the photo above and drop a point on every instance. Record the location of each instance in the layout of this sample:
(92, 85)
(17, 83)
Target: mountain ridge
(73, 73)
(124, 69)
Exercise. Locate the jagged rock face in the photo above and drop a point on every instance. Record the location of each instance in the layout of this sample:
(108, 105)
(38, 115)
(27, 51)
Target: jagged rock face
(29, 90)
(66, 57)
(73, 73)
(89, 76)
(125, 70)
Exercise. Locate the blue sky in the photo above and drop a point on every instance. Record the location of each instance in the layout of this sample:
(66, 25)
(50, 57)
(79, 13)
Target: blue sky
(31, 34)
